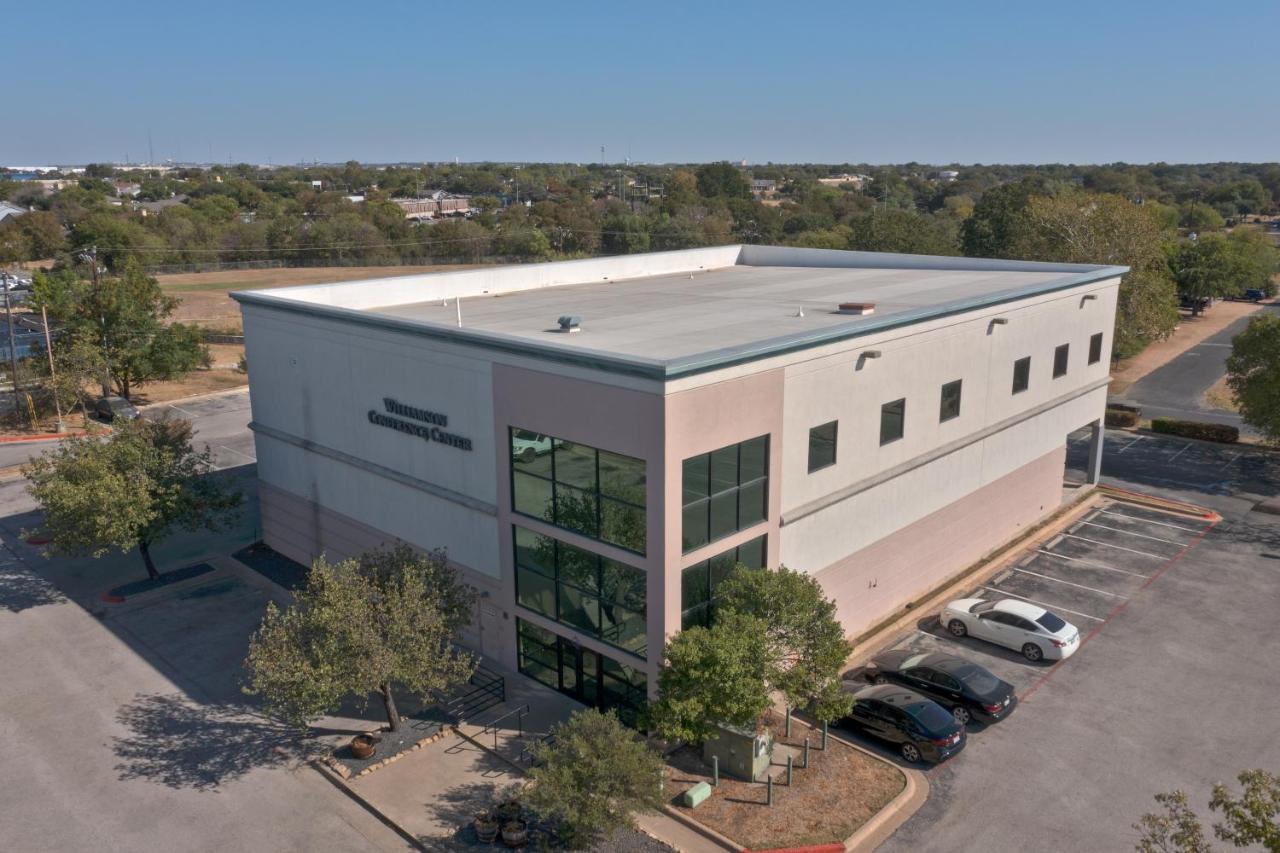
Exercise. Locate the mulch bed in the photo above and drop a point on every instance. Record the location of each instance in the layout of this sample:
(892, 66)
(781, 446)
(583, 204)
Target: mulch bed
(139, 587)
(273, 565)
(839, 792)
(424, 726)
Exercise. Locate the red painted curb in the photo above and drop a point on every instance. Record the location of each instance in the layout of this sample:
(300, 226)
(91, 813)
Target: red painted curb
(112, 599)
(37, 540)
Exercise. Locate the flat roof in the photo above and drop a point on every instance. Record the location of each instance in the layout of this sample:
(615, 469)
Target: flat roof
(669, 314)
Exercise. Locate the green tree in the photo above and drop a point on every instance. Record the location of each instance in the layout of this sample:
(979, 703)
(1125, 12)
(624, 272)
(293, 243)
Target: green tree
(1253, 374)
(132, 489)
(123, 317)
(805, 646)
(722, 180)
(593, 776)
(362, 627)
(709, 676)
(1250, 819)
(1254, 259)
(998, 223)
(1203, 268)
(1197, 216)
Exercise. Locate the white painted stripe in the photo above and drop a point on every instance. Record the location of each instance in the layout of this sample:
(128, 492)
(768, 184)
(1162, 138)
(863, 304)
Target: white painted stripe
(1233, 459)
(237, 452)
(1131, 533)
(1091, 564)
(1130, 444)
(1054, 541)
(1151, 521)
(1120, 547)
(1176, 455)
(1044, 605)
(1070, 583)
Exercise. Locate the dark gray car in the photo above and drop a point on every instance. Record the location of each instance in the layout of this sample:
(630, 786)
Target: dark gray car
(110, 408)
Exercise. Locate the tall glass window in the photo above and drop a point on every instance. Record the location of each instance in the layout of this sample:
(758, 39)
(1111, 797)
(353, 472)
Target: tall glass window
(1095, 348)
(592, 492)
(698, 582)
(949, 407)
(595, 595)
(893, 417)
(725, 491)
(822, 446)
(1021, 375)
(585, 675)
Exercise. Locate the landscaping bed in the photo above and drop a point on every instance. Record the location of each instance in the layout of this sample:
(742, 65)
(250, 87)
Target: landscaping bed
(841, 790)
(426, 728)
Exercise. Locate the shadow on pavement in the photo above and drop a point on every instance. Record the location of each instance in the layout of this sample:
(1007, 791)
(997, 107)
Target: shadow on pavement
(20, 589)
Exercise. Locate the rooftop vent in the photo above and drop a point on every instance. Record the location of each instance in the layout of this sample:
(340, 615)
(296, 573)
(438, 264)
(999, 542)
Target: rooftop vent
(858, 308)
(570, 323)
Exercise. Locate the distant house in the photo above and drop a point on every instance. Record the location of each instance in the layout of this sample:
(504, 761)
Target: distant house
(842, 179)
(437, 204)
(152, 208)
(7, 210)
(127, 189)
(763, 186)
(948, 175)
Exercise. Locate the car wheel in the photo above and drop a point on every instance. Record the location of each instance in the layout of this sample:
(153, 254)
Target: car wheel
(879, 678)
(1033, 653)
(962, 715)
(957, 628)
(527, 455)
(910, 752)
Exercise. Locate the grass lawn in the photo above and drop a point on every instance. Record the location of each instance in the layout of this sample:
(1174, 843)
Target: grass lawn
(841, 790)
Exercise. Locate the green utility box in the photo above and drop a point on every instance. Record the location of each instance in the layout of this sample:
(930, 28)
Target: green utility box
(693, 797)
(741, 752)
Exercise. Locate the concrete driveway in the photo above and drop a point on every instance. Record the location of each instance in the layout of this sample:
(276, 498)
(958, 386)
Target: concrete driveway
(1170, 691)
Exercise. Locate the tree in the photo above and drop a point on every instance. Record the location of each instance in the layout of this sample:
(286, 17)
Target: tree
(131, 489)
(1203, 269)
(722, 180)
(123, 318)
(709, 676)
(996, 226)
(805, 646)
(1254, 259)
(1253, 374)
(1197, 216)
(1253, 818)
(592, 776)
(360, 627)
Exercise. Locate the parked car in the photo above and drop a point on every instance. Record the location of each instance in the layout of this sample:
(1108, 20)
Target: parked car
(1253, 294)
(1014, 624)
(967, 690)
(112, 407)
(922, 729)
(526, 445)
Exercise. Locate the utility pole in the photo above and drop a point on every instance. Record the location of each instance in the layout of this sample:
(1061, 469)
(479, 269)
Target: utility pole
(53, 376)
(13, 348)
(105, 379)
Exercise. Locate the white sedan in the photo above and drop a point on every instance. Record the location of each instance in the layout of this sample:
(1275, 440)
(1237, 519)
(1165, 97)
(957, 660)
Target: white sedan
(1018, 625)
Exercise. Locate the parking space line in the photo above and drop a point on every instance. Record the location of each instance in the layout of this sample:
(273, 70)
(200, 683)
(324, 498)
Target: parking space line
(1233, 459)
(1043, 604)
(1131, 533)
(1180, 452)
(1150, 521)
(1117, 547)
(1092, 564)
(1130, 444)
(1070, 583)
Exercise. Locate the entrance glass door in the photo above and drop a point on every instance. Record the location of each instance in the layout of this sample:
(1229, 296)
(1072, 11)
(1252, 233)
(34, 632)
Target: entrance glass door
(587, 676)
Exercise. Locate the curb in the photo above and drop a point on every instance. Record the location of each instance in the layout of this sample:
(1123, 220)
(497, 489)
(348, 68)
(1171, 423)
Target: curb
(339, 783)
(721, 841)
(225, 392)
(1157, 502)
(900, 809)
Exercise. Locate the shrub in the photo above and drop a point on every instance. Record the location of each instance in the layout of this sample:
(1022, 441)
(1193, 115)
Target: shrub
(1121, 418)
(1196, 429)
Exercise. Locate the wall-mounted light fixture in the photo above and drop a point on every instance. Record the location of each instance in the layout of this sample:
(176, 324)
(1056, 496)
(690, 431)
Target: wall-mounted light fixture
(870, 353)
(1000, 321)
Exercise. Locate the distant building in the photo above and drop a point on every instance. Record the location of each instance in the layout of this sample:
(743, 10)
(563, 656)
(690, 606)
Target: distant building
(436, 205)
(948, 175)
(357, 198)
(152, 208)
(127, 189)
(762, 186)
(844, 178)
(10, 210)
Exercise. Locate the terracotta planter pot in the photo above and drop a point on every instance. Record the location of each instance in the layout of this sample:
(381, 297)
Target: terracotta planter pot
(362, 746)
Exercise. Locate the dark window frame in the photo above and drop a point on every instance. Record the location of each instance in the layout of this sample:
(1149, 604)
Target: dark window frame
(1095, 348)
(702, 612)
(628, 697)
(943, 415)
(1022, 366)
(1061, 360)
(559, 584)
(823, 443)
(707, 502)
(901, 403)
(600, 496)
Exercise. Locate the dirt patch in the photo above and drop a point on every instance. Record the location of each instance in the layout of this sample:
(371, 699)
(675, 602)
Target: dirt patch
(1190, 331)
(841, 790)
(194, 383)
(204, 299)
(1219, 396)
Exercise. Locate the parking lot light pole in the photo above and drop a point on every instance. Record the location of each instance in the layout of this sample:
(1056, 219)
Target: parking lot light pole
(13, 348)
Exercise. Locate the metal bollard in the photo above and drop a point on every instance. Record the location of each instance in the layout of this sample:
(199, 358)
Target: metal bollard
(715, 771)
(769, 792)
(790, 760)
(787, 729)
(824, 737)
(806, 754)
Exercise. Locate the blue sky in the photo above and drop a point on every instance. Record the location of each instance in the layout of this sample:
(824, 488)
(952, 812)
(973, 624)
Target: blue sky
(283, 81)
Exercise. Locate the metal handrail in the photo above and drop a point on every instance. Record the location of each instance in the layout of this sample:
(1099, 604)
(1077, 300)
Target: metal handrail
(492, 728)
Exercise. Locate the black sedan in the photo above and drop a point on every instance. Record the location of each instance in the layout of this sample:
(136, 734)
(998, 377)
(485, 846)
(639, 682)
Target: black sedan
(921, 728)
(965, 689)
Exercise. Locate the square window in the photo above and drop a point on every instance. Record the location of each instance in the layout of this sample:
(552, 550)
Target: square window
(695, 589)
(532, 496)
(536, 592)
(755, 459)
(575, 464)
(892, 418)
(751, 504)
(577, 510)
(822, 446)
(724, 469)
(1021, 375)
(752, 554)
(531, 452)
(697, 478)
(622, 477)
(1060, 356)
(694, 525)
(950, 406)
(622, 524)
(1095, 348)
(724, 514)
(535, 551)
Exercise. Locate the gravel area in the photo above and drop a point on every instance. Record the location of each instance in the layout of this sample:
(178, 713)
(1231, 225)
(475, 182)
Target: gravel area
(622, 841)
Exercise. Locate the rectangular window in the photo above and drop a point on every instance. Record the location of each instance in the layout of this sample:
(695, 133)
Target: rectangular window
(950, 406)
(1060, 356)
(1021, 375)
(596, 493)
(585, 675)
(892, 419)
(822, 446)
(698, 582)
(590, 593)
(1095, 348)
(724, 491)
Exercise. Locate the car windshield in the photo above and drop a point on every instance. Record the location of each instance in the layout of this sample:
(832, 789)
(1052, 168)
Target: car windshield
(1051, 623)
(931, 717)
(525, 435)
(978, 680)
(982, 606)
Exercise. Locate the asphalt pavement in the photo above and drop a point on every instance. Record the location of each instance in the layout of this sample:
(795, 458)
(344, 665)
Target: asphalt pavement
(1176, 390)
